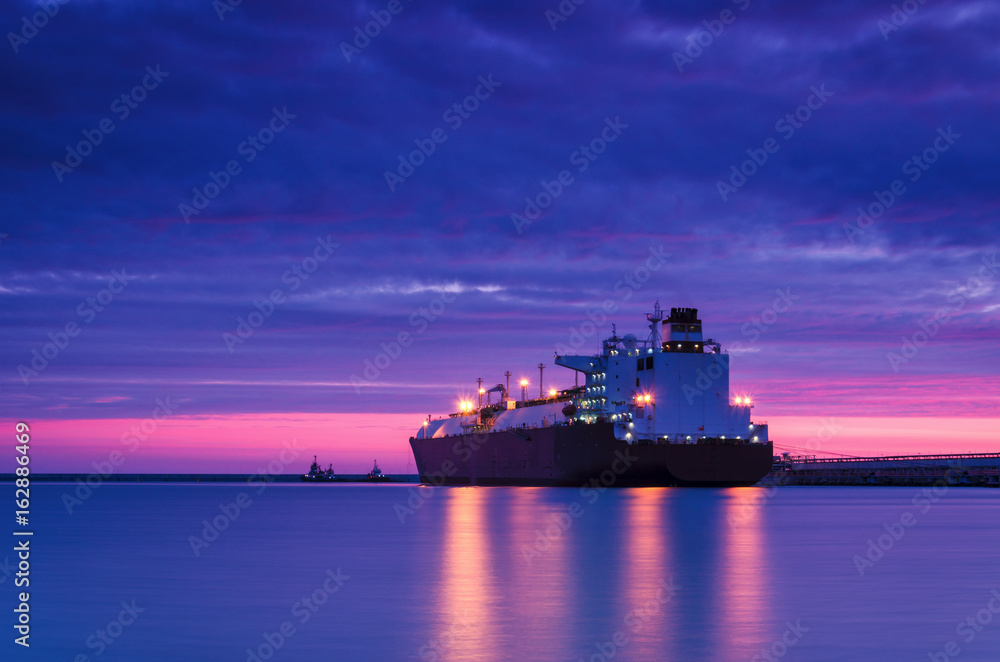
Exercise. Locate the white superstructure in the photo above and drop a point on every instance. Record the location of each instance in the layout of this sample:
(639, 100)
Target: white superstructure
(673, 387)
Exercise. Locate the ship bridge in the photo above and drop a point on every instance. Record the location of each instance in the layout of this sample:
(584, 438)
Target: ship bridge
(673, 386)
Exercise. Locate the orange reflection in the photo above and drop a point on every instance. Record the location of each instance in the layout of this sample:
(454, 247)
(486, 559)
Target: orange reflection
(464, 629)
(505, 576)
(542, 536)
(745, 603)
(648, 574)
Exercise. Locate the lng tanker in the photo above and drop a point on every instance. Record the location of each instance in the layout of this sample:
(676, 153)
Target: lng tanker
(650, 413)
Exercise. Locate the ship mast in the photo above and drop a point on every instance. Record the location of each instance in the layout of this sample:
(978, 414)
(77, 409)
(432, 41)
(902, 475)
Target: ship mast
(654, 319)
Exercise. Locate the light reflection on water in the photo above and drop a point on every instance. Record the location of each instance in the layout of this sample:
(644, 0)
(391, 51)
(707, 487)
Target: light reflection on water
(746, 600)
(585, 579)
(648, 579)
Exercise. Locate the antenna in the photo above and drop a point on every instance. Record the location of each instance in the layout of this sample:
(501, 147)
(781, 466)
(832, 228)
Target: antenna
(654, 319)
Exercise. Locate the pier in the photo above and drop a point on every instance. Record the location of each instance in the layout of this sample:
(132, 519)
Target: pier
(969, 469)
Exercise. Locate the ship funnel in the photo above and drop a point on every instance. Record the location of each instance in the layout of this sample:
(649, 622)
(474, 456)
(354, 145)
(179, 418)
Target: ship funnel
(684, 330)
(684, 315)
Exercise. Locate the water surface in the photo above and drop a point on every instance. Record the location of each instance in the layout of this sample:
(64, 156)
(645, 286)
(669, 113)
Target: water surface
(398, 572)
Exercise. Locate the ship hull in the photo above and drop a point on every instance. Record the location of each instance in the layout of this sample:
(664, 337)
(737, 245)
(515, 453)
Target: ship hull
(577, 455)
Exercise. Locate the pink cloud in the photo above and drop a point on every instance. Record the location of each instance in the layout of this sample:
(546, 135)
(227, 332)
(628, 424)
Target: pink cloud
(223, 444)
(247, 443)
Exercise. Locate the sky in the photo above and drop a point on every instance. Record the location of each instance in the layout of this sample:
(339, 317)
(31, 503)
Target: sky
(223, 215)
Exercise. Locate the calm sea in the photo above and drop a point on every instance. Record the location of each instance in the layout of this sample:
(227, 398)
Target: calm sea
(398, 572)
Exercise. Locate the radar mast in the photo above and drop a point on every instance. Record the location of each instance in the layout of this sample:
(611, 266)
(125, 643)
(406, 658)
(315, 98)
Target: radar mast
(654, 319)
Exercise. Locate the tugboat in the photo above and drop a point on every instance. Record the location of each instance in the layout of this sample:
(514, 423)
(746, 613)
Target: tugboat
(318, 475)
(376, 475)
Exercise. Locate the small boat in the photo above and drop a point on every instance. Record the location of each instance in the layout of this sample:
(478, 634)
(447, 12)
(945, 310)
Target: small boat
(318, 475)
(376, 475)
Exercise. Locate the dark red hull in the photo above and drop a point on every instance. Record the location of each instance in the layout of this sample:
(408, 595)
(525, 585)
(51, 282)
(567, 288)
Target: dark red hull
(576, 455)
